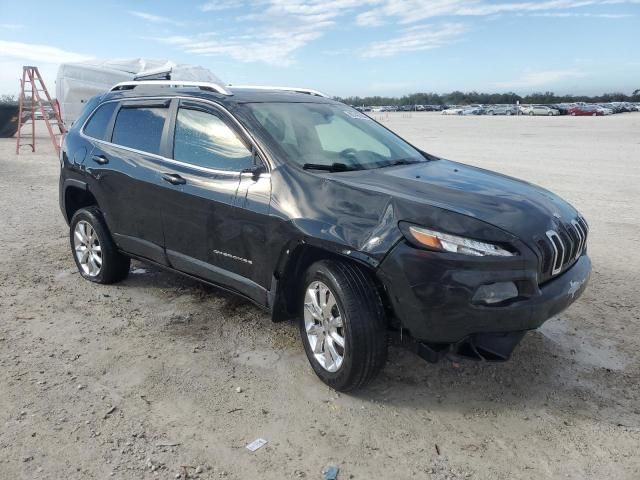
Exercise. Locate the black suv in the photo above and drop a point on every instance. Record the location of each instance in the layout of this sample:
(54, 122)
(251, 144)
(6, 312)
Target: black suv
(314, 211)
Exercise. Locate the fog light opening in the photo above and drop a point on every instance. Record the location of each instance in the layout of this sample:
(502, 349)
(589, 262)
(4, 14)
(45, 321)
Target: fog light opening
(495, 293)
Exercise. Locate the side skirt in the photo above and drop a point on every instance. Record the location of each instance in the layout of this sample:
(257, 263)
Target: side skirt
(256, 302)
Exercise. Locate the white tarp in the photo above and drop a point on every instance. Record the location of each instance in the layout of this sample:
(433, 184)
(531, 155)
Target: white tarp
(76, 83)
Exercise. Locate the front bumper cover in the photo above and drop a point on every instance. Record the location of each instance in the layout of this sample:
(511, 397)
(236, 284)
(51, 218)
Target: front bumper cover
(431, 293)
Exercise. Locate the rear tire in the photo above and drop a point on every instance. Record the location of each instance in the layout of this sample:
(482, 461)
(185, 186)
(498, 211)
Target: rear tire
(97, 257)
(361, 327)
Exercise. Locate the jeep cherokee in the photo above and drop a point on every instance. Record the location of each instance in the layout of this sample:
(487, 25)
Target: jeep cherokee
(314, 211)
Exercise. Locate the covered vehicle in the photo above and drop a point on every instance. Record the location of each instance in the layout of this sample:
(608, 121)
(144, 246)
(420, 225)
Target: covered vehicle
(77, 82)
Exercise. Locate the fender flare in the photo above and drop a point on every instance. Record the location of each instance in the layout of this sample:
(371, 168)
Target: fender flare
(72, 182)
(68, 183)
(289, 257)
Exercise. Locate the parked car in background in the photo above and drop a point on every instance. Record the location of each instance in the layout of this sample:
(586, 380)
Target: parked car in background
(604, 110)
(585, 111)
(502, 110)
(473, 110)
(563, 108)
(453, 111)
(629, 107)
(540, 110)
(617, 107)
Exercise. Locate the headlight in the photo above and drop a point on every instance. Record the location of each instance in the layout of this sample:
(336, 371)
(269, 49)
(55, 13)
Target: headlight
(445, 242)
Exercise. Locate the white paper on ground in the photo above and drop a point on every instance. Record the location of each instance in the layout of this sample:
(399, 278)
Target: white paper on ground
(256, 444)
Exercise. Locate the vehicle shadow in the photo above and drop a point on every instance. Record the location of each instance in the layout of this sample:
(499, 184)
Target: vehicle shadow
(542, 375)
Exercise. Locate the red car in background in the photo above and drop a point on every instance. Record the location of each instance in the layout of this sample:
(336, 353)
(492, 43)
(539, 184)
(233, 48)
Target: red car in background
(585, 110)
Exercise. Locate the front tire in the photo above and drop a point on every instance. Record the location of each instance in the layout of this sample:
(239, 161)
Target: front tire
(342, 325)
(96, 256)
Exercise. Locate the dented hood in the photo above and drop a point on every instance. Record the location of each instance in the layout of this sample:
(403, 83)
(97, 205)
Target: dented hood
(512, 205)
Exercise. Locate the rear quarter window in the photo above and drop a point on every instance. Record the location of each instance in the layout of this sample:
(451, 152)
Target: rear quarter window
(140, 128)
(97, 125)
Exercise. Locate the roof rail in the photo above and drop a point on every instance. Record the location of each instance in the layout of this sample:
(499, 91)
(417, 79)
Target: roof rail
(308, 91)
(130, 85)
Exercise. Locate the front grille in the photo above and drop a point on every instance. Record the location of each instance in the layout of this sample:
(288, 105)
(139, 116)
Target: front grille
(561, 247)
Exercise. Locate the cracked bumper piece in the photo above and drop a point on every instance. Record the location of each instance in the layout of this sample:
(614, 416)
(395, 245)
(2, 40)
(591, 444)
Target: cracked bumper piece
(435, 296)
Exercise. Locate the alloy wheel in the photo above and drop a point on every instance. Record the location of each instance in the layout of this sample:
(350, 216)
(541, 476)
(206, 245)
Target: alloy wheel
(324, 326)
(87, 248)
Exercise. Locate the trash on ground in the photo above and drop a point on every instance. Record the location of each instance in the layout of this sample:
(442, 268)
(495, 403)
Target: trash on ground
(330, 472)
(256, 444)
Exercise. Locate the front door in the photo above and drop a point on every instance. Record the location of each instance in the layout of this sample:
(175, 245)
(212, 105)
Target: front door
(204, 221)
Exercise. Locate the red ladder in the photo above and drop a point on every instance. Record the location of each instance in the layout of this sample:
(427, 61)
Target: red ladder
(29, 106)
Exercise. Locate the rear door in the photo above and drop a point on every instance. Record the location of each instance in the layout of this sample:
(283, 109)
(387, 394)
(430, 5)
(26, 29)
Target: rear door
(128, 182)
(206, 228)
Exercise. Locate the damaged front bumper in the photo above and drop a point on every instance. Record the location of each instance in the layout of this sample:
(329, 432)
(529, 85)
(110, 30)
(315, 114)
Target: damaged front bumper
(434, 297)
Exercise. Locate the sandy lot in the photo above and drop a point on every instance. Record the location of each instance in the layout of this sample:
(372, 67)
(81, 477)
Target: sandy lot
(137, 379)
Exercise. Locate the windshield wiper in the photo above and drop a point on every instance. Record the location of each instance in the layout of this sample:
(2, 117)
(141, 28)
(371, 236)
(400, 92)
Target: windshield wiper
(402, 161)
(334, 167)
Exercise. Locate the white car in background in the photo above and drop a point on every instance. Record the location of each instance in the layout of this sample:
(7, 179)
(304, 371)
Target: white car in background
(453, 111)
(539, 110)
(604, 110)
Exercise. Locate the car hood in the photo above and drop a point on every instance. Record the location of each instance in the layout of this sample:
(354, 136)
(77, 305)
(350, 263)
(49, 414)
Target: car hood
(512, 205)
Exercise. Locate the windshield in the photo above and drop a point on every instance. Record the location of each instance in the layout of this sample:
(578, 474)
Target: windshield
(331, 137)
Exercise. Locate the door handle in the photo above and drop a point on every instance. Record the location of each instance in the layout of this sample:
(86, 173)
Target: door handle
(100, 159)
(173, 179)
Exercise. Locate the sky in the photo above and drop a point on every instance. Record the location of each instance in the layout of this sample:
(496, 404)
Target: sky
(342, 47)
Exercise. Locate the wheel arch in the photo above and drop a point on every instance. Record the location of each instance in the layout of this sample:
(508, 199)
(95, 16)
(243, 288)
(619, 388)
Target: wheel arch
(294, 261)
(76, 195)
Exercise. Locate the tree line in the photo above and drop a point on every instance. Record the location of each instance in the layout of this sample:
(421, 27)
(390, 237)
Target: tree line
(468, 98)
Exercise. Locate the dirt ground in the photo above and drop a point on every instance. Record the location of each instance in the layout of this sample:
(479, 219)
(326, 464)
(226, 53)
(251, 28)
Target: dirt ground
(138, 379)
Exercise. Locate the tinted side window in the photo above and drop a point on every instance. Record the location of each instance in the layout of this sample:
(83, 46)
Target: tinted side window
(203, 139)
(99, 121)
(140, 128)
